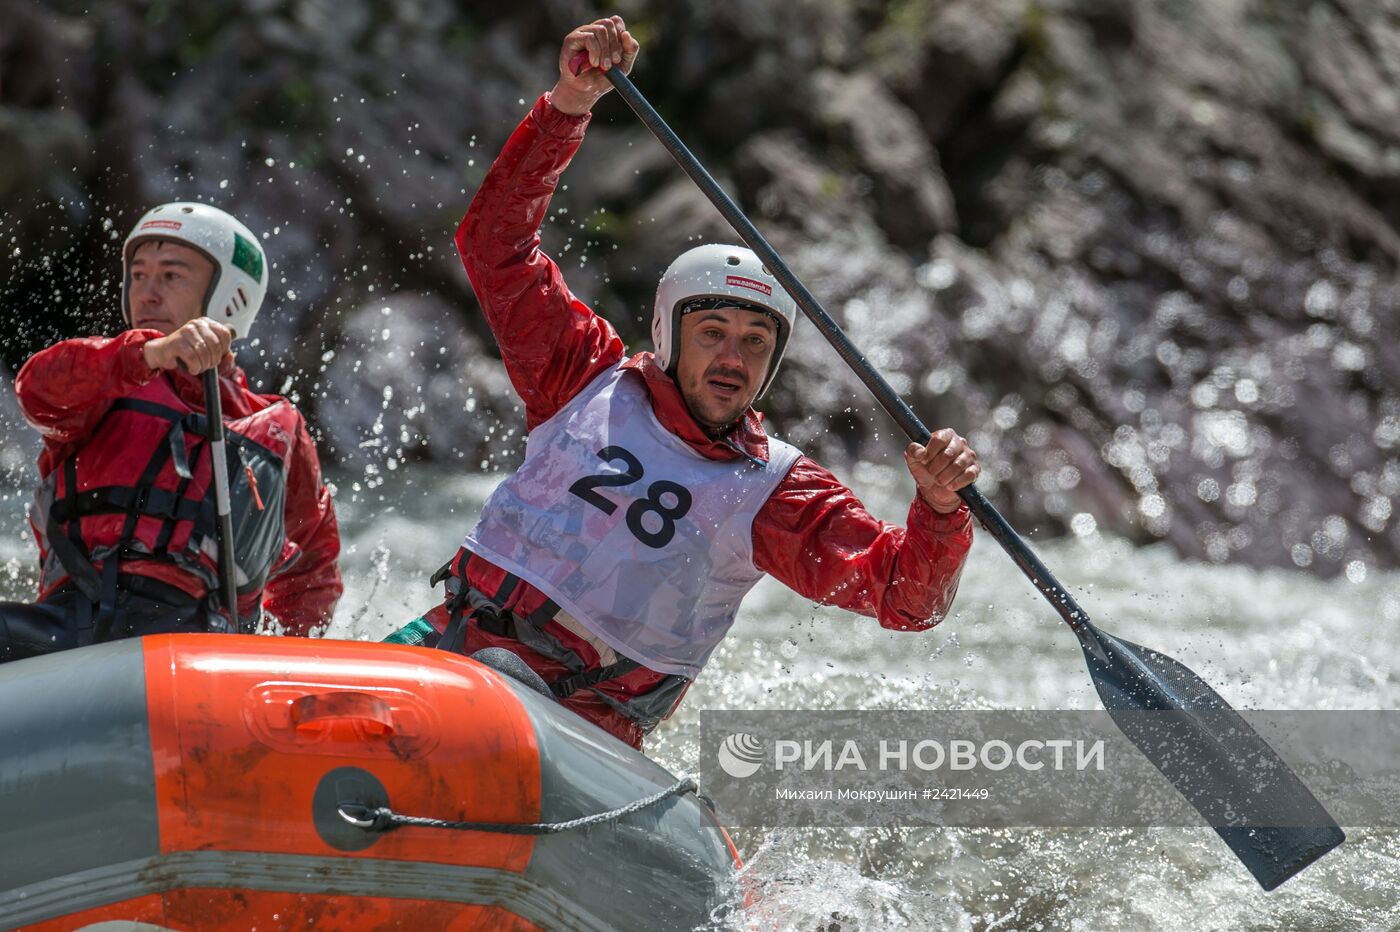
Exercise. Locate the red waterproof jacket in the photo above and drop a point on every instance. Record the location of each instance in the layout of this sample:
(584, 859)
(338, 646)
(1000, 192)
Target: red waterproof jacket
(65, 392)
(812, 534)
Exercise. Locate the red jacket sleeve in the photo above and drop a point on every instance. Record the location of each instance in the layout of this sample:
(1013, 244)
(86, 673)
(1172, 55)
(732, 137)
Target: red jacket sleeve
(65, 390)
(552, 343)
(815, 537)
(305, 586)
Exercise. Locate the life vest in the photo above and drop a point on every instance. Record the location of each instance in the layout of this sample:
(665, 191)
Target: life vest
(642, 540)
(465, 604)
(141, 488)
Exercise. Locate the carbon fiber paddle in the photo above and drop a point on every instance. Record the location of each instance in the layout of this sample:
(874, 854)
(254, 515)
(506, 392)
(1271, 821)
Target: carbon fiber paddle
(228, 569)
(1232, 777)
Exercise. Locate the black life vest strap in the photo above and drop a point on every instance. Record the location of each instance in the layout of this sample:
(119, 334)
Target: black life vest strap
(109, 611)
(193, 422)
(195, 507)
(185, 507)
(154, 409)
(544, 614)
(454, 636)
(70, 482)
(442, 573)
(109, 615)
(67, 541)
(144, 487)
(566, 686)
(488, 611)
(118, 499)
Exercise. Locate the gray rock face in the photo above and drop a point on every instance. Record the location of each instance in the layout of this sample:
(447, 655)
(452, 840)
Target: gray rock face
(1143, 254)
(408, 380)
(912, 200)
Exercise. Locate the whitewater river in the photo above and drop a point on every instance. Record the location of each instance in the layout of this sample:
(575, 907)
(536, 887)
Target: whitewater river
(1265, 640)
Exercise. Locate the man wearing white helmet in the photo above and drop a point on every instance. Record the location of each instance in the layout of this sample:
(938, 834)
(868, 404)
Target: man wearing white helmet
(650, 500)
(124, 515)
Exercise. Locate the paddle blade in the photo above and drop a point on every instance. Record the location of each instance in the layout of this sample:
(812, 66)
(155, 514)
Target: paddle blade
(1223, 768)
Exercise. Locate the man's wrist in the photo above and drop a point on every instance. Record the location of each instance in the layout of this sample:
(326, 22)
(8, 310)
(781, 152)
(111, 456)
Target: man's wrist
(940, 518)
(570, 102)
(151, 361)
(139, 354)
(942, 508)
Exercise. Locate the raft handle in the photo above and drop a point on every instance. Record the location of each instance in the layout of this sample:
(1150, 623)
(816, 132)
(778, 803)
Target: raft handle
(316, 711)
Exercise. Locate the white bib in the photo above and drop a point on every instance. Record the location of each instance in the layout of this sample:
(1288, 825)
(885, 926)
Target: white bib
(647, 543)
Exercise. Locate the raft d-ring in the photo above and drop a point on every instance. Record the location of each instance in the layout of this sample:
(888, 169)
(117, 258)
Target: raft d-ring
(376, 819)
(345, 808)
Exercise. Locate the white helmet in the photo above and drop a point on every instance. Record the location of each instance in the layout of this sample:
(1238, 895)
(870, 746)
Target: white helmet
(716, 271)
(240, 267)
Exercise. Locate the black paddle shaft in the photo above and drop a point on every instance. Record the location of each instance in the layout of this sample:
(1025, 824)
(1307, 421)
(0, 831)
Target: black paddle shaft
(903, 415)
(214, 409)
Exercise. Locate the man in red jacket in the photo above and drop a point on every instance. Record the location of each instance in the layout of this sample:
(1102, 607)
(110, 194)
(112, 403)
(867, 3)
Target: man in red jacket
(650, 500)
(124, 515)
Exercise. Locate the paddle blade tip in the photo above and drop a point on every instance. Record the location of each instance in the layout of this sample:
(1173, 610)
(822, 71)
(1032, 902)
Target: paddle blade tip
(1276, 855)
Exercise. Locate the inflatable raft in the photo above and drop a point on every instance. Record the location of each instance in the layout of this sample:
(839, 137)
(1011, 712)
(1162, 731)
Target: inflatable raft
(229, 782)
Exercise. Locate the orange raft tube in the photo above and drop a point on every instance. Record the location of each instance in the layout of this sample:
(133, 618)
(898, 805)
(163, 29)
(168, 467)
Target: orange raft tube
(197, 782)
